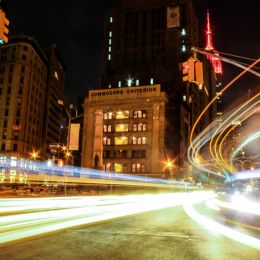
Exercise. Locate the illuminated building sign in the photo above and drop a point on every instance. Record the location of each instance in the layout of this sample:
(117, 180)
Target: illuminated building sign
(125, 92)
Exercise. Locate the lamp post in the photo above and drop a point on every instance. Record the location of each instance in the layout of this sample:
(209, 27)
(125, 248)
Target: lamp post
(67, 153)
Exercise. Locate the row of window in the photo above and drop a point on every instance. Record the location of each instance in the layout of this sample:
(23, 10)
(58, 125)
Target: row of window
(125, 128)
(118, 167)
(124, 140)
(125, 114)
(124, 154)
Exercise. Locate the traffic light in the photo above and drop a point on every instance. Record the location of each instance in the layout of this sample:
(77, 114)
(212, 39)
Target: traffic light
(4, 22)
(199, 79)
(188, 70)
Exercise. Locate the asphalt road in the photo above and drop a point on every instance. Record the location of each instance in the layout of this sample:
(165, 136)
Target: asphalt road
(162, 234)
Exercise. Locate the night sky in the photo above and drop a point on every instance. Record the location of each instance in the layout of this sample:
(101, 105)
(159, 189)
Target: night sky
(77, 29)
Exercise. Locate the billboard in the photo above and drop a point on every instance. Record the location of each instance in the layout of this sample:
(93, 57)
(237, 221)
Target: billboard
(74, 137)
(173, 16)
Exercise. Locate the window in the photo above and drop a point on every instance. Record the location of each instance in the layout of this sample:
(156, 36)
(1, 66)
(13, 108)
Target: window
(18, 112)
(6, 112)
(22, 79)
(1, 91)
(10, 79)
(106, 141)
(134, 140)
(139, 140)
(121, 127)
(23, 69)
(5, 123)
(8, 90)
(109, 57)
(119, 84)
(122, 114)
(111, 19)
(121, 140)
(118, 167)
(141, 127)
(138, 153)
(15, 147)
(137, 167)
(110, 33)
(3, 147)
(107, 128)
(151, 81)
(17, 122)
(20, 91)
(139, 113)
(108, 115)
(24, 57)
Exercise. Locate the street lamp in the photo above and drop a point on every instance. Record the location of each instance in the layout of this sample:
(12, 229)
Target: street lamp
(61, 103)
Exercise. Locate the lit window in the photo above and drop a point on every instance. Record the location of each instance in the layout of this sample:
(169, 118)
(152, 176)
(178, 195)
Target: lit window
(118, 167)
(109, 49)
(108, 115)
(184, 98)
(107, 128)
(111, 19)
(183, 32)
(110, 41)
(129, 82)
(121, 140)
(137, 167)
(109, 57)
(134, 140)
(106, 141)
(56, 75)
(110, 33)
(134, 127)
(122, 114)
(139, 140)
(143, 140)
(109, 86)
(119, 84)
(139, 113)
(121, 127)
(137, 82)
(183, 48)
(151, 81)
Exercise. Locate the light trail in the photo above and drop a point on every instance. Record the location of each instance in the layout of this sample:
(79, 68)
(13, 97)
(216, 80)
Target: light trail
(192, 149)
(221, 229)
(62, 213)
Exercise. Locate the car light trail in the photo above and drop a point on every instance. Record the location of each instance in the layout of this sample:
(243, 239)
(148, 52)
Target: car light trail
(218, 228)
(61, 213)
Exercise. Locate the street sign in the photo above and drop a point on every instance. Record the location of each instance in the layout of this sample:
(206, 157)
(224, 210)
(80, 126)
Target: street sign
(54, 147)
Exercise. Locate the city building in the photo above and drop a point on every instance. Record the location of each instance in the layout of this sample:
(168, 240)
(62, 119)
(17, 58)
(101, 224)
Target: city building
(53, 111)
(125, 130)
(23, 77)
(31, 83)
(145, 43)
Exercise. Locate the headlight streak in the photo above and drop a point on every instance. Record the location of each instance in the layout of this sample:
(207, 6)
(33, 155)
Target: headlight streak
(218, 228)
(241, 204)
(25, 225)
(41, 173)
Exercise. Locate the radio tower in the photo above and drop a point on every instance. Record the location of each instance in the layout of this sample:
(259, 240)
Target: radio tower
(216, 63)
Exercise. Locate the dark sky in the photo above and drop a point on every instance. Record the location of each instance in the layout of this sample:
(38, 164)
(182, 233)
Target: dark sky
(77, 28)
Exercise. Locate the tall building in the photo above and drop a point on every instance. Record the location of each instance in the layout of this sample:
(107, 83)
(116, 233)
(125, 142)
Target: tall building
(145, 41)
(31, 82)
(23, 77)
(54, 92)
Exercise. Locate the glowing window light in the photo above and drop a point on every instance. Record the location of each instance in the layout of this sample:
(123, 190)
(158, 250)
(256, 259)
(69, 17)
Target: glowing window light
(183, 48)
(119, 84)
(151, 81)
(110, 41)
(111, 19)
(110, 33)
(129, 82)
(183, 32)
(184, 98)
(109, 57)
(109, 49)
(137, 82)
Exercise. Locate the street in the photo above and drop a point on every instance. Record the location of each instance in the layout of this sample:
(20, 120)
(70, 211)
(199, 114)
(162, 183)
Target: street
(167, 233)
